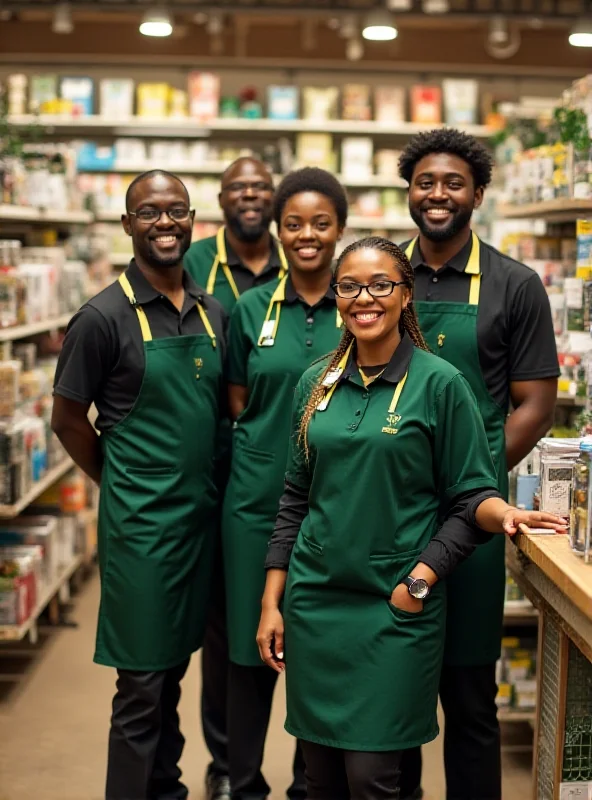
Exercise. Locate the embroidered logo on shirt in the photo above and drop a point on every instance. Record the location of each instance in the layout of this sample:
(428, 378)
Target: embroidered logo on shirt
(393, 420)
(198, 365)
(441, 337)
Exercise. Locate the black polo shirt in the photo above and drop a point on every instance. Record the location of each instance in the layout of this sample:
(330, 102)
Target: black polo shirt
(515, 335)
(245, 278)
(293, 297)
(102, 358)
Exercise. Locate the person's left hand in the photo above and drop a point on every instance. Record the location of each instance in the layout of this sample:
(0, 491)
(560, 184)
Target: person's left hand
(532, 519)
(401, 599)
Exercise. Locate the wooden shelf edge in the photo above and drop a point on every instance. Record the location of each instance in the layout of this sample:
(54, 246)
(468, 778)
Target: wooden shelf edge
(566, 208)
(22, 331)
(50, 477)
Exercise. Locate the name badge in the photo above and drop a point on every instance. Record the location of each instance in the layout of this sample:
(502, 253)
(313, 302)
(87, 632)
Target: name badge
(332, 377)
(266, 338)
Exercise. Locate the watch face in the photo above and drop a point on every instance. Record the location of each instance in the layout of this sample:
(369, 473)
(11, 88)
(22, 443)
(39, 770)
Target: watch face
(419, 589)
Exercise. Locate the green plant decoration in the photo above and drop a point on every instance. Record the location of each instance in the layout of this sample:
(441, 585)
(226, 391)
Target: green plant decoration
(13, 138)
(572, 128)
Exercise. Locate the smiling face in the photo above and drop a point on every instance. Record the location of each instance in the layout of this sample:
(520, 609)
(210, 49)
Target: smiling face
(372, 319)
(160, 244)
(309, 231)
(246, 199)
(442, 196)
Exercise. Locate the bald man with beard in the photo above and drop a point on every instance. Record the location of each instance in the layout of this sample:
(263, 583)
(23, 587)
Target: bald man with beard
(241, 256)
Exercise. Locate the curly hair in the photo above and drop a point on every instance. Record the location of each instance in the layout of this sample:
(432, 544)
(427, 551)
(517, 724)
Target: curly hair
(408, 323)
(311, 179)
(454, 142)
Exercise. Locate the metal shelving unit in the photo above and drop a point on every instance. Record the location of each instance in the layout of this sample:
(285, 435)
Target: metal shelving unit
(50, 477)
(33, 328)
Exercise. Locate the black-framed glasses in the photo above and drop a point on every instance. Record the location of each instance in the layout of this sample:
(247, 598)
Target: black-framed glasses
(349, 290)
(151, 214)
(238, 187)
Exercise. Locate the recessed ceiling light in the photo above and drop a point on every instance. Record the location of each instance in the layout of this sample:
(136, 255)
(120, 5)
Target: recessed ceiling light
(156, 23)
(62, 19)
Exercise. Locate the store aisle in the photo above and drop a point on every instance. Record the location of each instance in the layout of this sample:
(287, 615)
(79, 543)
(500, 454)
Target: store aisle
(53, 727)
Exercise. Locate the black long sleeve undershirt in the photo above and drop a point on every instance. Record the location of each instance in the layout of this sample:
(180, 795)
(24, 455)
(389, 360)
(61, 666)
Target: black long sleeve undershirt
(455, 541)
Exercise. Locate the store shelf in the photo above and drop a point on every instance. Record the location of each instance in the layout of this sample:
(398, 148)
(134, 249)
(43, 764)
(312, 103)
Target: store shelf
(22, 331)
(14, 633)
(380, 223)
(564, 399)
(515, 715)
(120, 259)
(517, 612)
(563, 210)
(10, 213)
(8, 512)
(171, 127)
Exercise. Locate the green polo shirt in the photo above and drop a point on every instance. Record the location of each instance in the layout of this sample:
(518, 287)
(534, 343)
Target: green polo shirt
(199, 259)
(396, 472)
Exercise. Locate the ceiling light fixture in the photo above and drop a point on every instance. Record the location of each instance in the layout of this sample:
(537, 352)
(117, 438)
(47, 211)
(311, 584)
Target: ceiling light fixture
(581, 35)
(435, 6)
(379, 27)
(156, 23)
(354, 49)
(62, 19)
(502, 40)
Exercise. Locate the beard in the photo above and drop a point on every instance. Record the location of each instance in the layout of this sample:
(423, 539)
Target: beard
(249, 232)
(441, 233)
(158, 260)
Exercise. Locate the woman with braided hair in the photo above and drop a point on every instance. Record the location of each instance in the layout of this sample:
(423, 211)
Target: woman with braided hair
(389, 486)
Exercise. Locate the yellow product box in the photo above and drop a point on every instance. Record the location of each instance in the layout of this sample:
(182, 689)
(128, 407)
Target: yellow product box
(178, 104)
(504, 695)
(518, 669)
(152, 99)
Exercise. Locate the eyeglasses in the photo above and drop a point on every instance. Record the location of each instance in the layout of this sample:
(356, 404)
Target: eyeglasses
(151, 214)
(237, 187)
(349, 290)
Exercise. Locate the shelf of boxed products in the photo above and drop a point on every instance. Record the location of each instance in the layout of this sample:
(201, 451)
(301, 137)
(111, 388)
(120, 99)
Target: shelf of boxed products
(50, 477)
(172, 127)
(33, 328)
(518, 612)
(516, 715)
(390, 223)
(560, 210)
(15, 633)
(218, 167)
(10, 213)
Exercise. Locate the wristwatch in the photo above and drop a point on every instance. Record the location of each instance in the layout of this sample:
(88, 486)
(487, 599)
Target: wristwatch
(417, 587)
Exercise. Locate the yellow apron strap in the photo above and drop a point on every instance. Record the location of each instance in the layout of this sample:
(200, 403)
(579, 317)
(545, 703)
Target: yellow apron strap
(206, 323)
(221, 260)
(129, 293)
(338, 320)
(397, 394)
(270, 326)
(473, 267)
(284, 269)
(333, 378)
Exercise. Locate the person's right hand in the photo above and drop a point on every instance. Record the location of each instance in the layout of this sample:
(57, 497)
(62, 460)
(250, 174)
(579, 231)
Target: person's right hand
(270, 638)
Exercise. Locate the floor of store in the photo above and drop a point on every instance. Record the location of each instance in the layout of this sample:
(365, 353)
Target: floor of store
(62, 705)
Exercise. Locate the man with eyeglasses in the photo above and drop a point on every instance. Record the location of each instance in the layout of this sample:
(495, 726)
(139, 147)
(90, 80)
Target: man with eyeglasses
(241, 256)
(148, 351)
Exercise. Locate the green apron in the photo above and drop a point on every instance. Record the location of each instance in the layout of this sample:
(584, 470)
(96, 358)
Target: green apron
(362, 674)
(157, 513)
(475, 625)
(281, 346)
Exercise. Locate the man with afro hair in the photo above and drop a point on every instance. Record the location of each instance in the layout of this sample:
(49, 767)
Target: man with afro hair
(490, 317)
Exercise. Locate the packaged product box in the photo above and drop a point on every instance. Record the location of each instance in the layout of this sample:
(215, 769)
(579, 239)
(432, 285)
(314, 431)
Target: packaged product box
(389, 104)
(460, 101)
(91, 156)
(355, 102)
(34, 530)
(152, 99)
(315, 149)
(116, 98)
(43, 89)
(178, 103)
(387, 163)
(18, 86)
(18, 597)
(518, 669)
(584, 247)
(574, 301)
(80, 92)
(426, 105)
(282, 102)
(504, 695)
(319, 105)
(525, 694)
(356, 157)
(204, 95)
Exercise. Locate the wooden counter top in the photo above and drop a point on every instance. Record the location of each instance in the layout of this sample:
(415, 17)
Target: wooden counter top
(554, 557)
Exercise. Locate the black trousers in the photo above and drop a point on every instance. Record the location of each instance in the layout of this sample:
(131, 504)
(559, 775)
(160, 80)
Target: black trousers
(472, 757)
(214, 670)
(250, 694)
(333, 774)
(145, 741)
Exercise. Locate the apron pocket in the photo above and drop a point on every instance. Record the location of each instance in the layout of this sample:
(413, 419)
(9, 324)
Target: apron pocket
(316, 548)
(401, 614)
(261, 455)
(150, 470)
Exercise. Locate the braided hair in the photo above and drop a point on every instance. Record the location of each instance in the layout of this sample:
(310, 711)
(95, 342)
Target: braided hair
(408, 323)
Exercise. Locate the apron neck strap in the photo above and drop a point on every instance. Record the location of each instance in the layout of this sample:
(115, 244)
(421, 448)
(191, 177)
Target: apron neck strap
(284, 261)
(221, 260)
(129, 293)
(473, 267)
(270, 326)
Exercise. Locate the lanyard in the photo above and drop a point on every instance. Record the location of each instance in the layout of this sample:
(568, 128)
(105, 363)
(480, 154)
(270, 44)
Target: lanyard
(332, 379)
(221, 260)
(472, 268)
(270, 325)
(145, 327)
